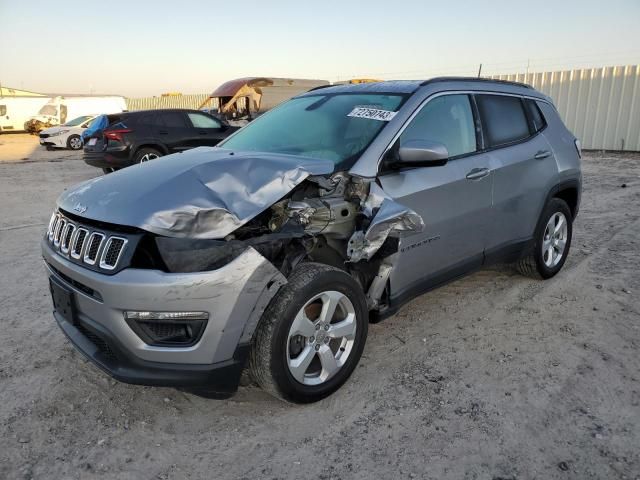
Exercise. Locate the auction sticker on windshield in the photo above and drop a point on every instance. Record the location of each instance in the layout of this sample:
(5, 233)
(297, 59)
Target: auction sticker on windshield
(372, 113)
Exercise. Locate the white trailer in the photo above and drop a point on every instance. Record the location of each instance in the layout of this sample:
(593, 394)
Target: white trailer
(16, 111)
(61, 109)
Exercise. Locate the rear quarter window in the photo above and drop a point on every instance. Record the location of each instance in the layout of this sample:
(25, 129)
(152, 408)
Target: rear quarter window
(535, 116)
(111, 119)
(503, 119)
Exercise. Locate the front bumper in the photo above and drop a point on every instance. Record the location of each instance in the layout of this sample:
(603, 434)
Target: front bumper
(58, 141)
(105, 350)
(234, 297)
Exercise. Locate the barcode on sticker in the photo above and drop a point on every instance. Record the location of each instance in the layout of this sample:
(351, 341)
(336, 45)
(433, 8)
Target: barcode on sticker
(372, 113)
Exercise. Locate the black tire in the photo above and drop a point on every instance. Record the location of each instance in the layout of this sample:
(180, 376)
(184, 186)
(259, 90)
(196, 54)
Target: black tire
(144, 152)
(107, 171)
(268, 356)
(74, 142)
(533, 265)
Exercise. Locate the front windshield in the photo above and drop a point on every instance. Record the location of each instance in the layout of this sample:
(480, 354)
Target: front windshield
(336, 127)
(49, 110)
(77, 121)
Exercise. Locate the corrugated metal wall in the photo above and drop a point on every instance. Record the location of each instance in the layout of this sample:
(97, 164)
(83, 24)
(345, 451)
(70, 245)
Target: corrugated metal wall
(178, 101)
(599, 105)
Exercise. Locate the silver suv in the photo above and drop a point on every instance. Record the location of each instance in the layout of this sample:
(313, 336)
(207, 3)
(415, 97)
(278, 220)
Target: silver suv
(274, 250)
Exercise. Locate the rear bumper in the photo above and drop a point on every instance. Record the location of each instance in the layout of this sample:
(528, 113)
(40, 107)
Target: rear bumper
(116, 159)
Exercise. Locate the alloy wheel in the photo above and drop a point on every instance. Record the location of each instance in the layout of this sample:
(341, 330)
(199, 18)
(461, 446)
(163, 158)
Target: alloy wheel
(75, 143)
(148, 156)
(554, 240)
(321, 338)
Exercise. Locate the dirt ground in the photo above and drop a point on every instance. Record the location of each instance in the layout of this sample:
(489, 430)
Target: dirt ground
(494, 376)
(21, 147)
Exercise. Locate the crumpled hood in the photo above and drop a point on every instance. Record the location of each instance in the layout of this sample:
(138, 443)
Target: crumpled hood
(206, 192)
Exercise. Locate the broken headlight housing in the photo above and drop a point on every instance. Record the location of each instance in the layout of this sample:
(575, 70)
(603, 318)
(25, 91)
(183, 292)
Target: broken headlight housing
(185, 255)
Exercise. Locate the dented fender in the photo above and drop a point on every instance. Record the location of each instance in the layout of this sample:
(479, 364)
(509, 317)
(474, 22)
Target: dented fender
(387, 218)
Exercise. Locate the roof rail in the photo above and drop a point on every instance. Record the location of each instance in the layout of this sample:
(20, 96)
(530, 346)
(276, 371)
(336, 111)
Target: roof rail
(473, 79)
(319, 87)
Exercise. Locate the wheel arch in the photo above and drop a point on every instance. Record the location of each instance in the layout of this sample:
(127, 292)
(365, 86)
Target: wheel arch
(567, 190)
(156, 146)
(68, 141)
(570, 193)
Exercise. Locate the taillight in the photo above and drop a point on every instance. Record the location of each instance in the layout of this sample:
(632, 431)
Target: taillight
(116, 134)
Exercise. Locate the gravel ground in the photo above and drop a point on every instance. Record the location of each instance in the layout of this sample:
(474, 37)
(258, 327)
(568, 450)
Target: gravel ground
(494, 376)
(22, 147)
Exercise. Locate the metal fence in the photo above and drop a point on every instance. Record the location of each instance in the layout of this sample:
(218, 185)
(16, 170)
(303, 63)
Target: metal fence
(599, 105)
(178, 101)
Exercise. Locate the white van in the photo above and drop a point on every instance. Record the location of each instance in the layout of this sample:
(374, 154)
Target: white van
(67, 135)
(60, 109)
(16, 111)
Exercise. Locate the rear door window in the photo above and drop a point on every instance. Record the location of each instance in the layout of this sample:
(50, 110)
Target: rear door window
(148, 121)
(447, 119)
(173, 119)
(503, 119)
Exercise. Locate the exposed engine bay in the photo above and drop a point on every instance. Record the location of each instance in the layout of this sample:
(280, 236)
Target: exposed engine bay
(343, 221)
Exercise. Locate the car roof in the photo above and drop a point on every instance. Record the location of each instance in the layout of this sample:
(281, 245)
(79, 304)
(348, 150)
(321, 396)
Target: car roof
(389, 86)
(445, 83)
(159, 110)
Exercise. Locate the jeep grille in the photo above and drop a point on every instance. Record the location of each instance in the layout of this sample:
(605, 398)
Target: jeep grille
(85, 244)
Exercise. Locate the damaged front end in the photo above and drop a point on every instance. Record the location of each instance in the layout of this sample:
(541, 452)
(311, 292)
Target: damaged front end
(208, 206)
(343, 221)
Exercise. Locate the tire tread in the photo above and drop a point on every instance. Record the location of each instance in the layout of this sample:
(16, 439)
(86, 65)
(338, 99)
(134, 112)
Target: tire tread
(530, 266)
(261, 369)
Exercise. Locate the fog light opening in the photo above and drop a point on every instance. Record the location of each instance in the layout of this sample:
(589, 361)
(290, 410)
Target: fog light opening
(167, 329)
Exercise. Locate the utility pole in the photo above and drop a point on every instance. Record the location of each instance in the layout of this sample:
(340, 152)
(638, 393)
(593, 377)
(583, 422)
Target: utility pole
(479, 70)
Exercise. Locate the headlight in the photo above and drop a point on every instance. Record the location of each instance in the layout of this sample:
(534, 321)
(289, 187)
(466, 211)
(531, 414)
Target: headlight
(61, 132)
(183, 255)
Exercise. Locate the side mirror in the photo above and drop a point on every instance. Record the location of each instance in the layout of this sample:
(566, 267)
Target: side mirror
(422, 153)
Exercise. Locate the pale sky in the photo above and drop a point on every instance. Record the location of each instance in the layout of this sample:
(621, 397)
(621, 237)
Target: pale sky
(144, 48)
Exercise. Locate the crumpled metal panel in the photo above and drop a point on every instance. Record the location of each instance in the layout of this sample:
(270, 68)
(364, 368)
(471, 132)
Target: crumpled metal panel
(202, 193)
(389, 218)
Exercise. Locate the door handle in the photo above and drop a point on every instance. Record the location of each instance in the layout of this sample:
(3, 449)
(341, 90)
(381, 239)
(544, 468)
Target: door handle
(478, 173)
(163, 132)
(202, 133)
(542, 154)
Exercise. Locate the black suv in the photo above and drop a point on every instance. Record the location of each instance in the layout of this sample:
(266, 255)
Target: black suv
(134, 137)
